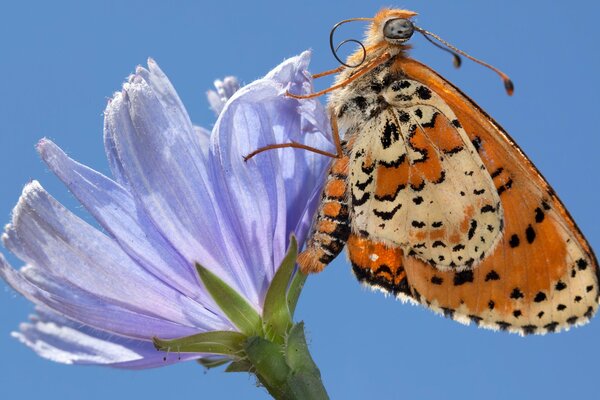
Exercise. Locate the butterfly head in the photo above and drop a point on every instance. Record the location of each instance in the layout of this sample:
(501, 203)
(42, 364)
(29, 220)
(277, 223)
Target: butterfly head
(391, 27)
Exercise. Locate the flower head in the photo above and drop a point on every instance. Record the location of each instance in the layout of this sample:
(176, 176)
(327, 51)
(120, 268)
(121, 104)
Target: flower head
(179, 196)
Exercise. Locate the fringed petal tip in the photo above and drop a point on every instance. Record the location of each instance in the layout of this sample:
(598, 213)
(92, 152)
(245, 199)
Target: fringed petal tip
(225, 89)
(60, 340)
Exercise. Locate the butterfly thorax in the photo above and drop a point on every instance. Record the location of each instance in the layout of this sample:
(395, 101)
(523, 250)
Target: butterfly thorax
(415, 179)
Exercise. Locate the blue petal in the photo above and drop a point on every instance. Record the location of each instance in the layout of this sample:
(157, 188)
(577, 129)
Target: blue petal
(203, 136)
(265, 199)
(115, 209)
(112, 155)
(46, 235)
(166, 171)
(61, 340)
(42, 288)
(225, 89)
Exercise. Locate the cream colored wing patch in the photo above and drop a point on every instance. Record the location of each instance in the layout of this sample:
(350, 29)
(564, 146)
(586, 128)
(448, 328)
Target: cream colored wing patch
(417, 182)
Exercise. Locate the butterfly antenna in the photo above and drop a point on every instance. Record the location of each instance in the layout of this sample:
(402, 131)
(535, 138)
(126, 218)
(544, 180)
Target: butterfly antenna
(456, 61)
(508, 83)
(334, 49)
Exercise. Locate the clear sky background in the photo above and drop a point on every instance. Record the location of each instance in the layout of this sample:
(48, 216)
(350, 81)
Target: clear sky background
(60, 61)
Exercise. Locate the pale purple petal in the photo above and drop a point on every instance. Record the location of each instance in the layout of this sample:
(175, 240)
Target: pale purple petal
(45, 234)
(42, 288)
(115, 209)
(112, 155)
(265, 199)
(224, 90)
(203, 137)
(168, 177)
(61, 340)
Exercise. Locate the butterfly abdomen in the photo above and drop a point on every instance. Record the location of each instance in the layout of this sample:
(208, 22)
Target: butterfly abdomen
(331, 225)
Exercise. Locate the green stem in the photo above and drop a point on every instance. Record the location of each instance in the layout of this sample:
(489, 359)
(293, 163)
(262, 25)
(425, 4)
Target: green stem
(287, 370)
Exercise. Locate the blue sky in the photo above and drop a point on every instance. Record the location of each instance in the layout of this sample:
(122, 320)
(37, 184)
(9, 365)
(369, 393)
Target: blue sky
(60, 61)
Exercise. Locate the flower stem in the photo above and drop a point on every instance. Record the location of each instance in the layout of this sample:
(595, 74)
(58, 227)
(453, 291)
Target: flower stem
(287, 370)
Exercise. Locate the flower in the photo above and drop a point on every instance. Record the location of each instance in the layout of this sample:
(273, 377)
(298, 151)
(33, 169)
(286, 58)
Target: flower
(179, 196)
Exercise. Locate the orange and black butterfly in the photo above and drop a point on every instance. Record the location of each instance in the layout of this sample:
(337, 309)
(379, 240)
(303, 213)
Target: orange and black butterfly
(436, 204)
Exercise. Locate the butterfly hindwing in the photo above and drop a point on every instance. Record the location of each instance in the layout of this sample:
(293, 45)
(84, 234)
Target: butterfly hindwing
(417, 182)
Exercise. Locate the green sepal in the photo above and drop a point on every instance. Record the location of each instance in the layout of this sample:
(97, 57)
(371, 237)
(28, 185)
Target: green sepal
(269, 364)
(304, 381)
(214, 342)
(296, 350)
(277, 318)
(239, 366)
(210, 363)
(237, 309)
(295, 289)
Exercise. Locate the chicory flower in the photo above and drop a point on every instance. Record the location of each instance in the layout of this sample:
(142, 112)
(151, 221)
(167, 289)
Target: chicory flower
(180, 197)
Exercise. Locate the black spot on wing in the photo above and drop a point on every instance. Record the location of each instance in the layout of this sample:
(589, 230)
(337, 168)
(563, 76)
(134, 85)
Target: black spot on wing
(463, 277)
(360, 201)
(390, 197)
(393, 164)
(390, 134)
(539, 297)
(539, 215)
(551, 327)
(505, 187)
(418, 187)
(529, 329)
(436, 280)
(516, 294)
(403, 116)
(441, 179)
(488, 208)
(387, 215)
(530, 234)
(496, 172)
(423, 93)
(472, 229)
(492, 276)
(476, 143)
(363, 185)
(454, 150)
(399, 85)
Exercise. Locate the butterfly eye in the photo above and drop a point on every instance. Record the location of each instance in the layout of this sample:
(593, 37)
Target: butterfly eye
(398, 29)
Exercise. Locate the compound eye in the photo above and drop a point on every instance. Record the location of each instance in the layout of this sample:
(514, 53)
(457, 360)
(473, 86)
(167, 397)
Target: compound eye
(398, 29)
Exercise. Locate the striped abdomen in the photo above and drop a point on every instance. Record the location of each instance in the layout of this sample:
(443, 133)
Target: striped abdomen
(331, 225)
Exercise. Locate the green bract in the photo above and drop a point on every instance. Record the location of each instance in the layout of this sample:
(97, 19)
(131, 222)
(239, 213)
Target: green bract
(270, 346)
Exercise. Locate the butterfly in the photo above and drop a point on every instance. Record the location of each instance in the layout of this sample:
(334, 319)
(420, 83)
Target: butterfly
(434, 201)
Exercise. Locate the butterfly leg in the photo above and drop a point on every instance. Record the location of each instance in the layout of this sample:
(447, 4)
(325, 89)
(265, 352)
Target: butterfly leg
(369, 67)
(329, 72)
(296, 145)
(331, 225)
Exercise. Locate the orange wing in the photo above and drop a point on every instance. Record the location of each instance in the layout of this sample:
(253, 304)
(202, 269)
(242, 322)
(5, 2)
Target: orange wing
(543, 275)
